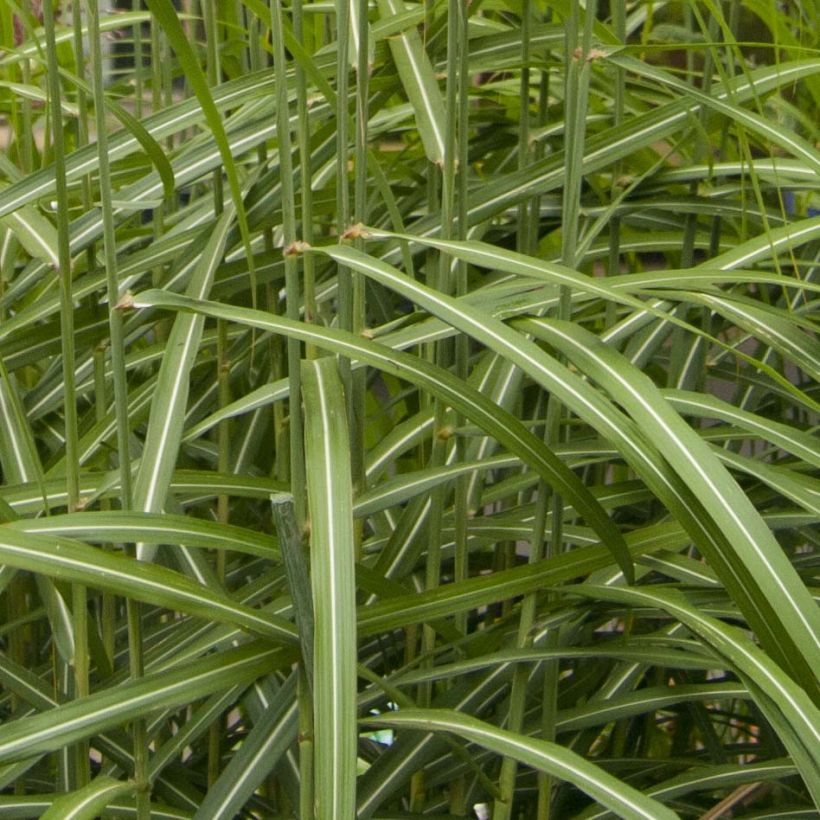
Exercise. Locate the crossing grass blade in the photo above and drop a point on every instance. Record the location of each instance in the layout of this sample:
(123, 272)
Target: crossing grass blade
(540, 754)
(473, 404)
(64, 559)
(86, 717)
(88, 802)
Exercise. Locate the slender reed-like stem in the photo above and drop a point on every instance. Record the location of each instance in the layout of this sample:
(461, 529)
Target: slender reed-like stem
(64, 266)
(515, 714)
(305, 179)
(120, 388)
(294, 349)
(462, 343)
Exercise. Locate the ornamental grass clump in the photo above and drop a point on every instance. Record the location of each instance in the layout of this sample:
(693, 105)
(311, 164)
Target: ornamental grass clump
(409, 409)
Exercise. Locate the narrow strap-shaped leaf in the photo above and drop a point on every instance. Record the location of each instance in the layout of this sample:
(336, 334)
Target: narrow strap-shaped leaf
(762, 580)
(112, 707)
(261, 750)
(171, 395)
(34, 805)
(419, 81)
(18, 452)
(794, 441)
(555, 760)
(786, 138)
(458, 394)
(71, 561)
(88, 802)
(35, 233)
(332, 552)
(166, 14)
(117, 526)
(768, 245)
(785, 704)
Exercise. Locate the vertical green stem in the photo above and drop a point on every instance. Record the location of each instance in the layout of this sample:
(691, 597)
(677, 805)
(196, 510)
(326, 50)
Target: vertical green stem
(139, 61)
(294, 352)
(614, 258)
(462, 343)
(357, 397)
(120, 388)
(342, 192)
(305, 181)
(64, 271)
(79, 594)
(576, 50)
(64, 274)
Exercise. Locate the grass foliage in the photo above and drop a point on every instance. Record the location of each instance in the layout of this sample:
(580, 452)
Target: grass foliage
(407, 408)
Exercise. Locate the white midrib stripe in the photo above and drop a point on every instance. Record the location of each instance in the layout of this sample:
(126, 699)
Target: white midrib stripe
(260, 752)
(405, 42)
(192, 325)
(77, 809)
(333, 604)
(742, 419)
(145, 583)
(774, 681)
(582, 776)
(763, 250)
(15, 444)
(707, 480)
(17, 217)
(485, 326)
(80, 720)
(763, 329)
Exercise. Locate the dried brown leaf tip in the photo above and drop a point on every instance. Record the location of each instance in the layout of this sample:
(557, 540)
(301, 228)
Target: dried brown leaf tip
(356, 232)
(296, 248)
(592, 54)
(126, 302)
(445, 432)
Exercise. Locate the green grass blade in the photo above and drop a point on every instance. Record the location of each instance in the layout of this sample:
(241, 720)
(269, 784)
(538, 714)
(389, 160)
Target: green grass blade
(474, 405)
(52, 729)
(756, 572)
(261, 750)
(547, 757)
(68, 560)
(419, 81)
(88, 802)
(330, 496)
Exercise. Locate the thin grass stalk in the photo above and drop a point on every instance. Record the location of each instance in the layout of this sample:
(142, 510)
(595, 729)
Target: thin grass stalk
(523, 232)
(462, 343)
(108, 604)
(136, 6)
(25, 133)
(134, 624)
(576, 49)
(344, 276)
(443, 350)
(64, 271)
(79, 595)
(305, 179)
(518, 696)
(294, 351)
(618, 100)
(72, 770)
(358, 379)
(82, 106)
(440, 198)
(213, 73)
